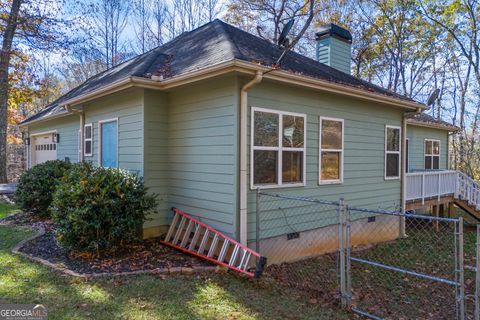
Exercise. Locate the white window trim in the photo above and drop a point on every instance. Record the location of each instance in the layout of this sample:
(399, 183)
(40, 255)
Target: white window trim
(335, 181)
(279, 149)
(100, 123)
(432, 155)
(399, 152)
(85, 139)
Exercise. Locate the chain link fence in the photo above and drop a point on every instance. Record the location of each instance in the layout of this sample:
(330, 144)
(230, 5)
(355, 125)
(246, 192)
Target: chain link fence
(299, 237)
(472, 275)
(379, 264)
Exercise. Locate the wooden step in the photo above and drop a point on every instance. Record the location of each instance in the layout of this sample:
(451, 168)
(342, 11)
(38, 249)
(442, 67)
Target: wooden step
(470, 209)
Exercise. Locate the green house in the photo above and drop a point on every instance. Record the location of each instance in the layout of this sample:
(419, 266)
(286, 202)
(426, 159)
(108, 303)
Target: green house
(207, 120)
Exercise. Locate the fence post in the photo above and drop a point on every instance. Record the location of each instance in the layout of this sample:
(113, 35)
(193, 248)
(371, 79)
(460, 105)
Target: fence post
(477, 275)
(341, 244)
(257, 221)
(348, 264)
(461, 276)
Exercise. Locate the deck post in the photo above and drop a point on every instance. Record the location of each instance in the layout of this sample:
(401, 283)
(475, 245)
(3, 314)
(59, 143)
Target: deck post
(439, 185)
(423, 187)
(435, 222)
(451, 209)
(457, 177)
(477, 275)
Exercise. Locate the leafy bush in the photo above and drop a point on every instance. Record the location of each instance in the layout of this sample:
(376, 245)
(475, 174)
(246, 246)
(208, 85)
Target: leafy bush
(97, 208)
(36, 186)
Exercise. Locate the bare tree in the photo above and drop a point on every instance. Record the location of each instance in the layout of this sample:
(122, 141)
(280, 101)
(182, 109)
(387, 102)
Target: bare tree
(141, 20)
(158, 24)
(109, 18)
(268, 17)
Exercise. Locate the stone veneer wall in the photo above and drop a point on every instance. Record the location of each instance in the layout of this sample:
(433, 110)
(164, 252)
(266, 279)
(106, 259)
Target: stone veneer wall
(16, 161)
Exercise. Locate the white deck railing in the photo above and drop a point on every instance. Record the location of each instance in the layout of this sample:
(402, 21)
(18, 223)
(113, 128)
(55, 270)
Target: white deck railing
(435, 184)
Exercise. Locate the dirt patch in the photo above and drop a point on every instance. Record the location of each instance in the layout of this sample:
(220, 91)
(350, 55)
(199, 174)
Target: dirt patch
(316, 278)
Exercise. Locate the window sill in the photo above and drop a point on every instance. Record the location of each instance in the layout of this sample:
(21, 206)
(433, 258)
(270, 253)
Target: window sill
(329, 182)
(391, 178)
(277, 186)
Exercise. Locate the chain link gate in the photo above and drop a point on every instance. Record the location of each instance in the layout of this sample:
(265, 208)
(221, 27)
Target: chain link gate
(377, 263)
(412, 267)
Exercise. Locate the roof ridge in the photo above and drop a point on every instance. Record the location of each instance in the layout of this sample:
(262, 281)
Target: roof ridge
(219, 26)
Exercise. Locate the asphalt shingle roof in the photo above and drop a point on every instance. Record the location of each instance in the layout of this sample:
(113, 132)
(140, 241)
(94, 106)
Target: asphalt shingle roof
(425, 119)
(210, 44)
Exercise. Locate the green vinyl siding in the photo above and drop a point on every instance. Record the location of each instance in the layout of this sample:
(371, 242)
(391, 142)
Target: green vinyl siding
(416, 139)
(364, 154)
(127, 107)
(67, 127)
(335, 53)
(156, 161)
(202, 148)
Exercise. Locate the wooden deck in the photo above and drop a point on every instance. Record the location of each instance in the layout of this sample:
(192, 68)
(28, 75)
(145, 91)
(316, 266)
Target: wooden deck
(439, 191)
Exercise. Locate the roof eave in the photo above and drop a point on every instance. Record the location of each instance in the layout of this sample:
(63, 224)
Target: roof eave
(306, 81)
(234, 65)
(433, 126)
(56, 116)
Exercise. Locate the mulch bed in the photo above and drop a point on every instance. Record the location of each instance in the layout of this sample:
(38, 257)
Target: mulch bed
(150, 254)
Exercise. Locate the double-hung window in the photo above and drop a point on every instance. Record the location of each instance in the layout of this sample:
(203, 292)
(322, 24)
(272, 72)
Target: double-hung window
(108, 145)
(331, 150)
(277, 148)
(88, 138)
(392, 152)
(432, 154)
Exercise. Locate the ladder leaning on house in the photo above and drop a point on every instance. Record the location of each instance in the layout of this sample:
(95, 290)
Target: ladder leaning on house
(192, 236)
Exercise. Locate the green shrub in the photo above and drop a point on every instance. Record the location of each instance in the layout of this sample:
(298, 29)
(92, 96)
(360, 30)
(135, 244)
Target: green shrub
(36, 186)
(97, 208)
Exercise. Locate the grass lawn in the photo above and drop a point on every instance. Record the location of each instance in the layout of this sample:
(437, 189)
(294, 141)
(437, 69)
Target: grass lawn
(146, 297)
(6, 208)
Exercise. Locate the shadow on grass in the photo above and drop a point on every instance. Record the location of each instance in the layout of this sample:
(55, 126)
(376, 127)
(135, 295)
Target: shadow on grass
(215, 296)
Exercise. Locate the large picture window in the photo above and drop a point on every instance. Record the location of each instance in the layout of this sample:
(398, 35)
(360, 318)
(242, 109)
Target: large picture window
(432, 154)
(88, 138)
(331, 150)
(277, 148)
(392, 152)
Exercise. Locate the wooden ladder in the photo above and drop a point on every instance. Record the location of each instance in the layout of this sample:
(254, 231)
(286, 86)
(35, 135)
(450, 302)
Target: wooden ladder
(190, 235)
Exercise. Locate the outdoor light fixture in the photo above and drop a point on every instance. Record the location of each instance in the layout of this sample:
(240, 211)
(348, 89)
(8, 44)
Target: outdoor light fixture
(56, 138)
(25, 138)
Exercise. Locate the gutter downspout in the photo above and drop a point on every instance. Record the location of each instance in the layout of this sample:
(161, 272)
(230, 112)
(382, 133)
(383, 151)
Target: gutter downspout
(243, 154)
(81, 154)
(404, 173)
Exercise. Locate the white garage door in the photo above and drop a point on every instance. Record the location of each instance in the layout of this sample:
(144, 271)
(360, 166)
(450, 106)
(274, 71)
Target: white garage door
(43, 148)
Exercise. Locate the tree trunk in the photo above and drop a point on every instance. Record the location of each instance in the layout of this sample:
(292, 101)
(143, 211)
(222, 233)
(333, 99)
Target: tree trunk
(5, 54)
